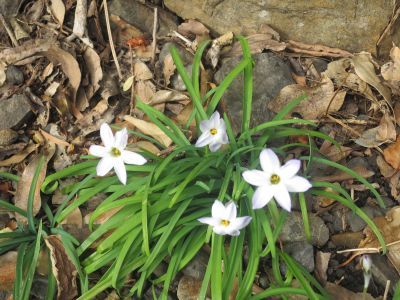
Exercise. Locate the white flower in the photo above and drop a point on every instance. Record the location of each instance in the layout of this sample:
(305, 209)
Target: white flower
(275, 180)
(113, 154)
(213, 133)
(366, 264)
(224, 220)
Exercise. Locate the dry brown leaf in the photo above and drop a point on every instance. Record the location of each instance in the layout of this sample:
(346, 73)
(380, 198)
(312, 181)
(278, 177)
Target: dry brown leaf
(335, 153)
(24, 185)
(391, 70)
(57, 9)
(54, 139)
(392, 154)
(385, 169)
(217, 44)
(3, 68)
(394, 185)
(103, 217)
(321, 266)
(125, 31)
(17, 158)
(93, 64)
(63, 269)
(145, 145)
(141, 71)
(163, 96)
(168, 68)
(149, 129)
(145, 90)
(339, 292)
(364, 68)
(28, 49)
(8, 264)
(316, 50)
(383, 133)
(342, 176)
(321, 99)
(193, 27)
(74, 218)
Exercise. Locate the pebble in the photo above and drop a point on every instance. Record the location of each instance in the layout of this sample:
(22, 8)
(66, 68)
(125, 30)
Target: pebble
(302, 252)
(14, 111)
(7, 137)
(14, 75)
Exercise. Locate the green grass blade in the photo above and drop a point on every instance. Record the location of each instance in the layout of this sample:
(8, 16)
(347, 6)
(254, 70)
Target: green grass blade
(31, 195)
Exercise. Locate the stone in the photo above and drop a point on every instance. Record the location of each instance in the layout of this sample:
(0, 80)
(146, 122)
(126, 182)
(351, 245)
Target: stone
(188, 288)
(177, 82)
(302, 252)
(7, 137)
(356, 223)
(196, 268)
(14, 75)
(354, 25)
(347, 239)
(186, 56)
(14, 111)
(293, 230)
(142, 16)
(383, 271)
(9, 7)
(270, 75)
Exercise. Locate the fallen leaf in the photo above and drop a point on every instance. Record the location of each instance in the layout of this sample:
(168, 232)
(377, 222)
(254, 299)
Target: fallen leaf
(8, 264)
(192, 27)
(335, 153)
(145, 145)
(392, 154)
(19, 32)
(364, 68)
(385, 169)
(54, 139)
(141, 71)
(35, 11)
(124, 31)
(128, 83)
(163, 96)
(93, 65)
(3, 68)
(168, 68)
(74, 218)
(316, 50)
(321, 99)
(321, 266)
(149, 129)
(391, 71)
(339, 176)
(17, 158)
(339, 292)
(383, 133)
(57, 9)
(28, 49)
(63, 269)
(144, 90)
(215, 49)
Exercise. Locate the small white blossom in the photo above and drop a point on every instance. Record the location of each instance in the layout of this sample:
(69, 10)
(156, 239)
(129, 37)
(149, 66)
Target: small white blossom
(213, 133)
(366, 264)
(275, 181)
(224, 220)
(113, 154)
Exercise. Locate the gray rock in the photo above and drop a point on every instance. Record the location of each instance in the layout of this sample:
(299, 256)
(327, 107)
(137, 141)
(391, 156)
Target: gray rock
(356, 223)
(9, 7)
(14, 75)
(14, 111)
(142, 16)
(186, 56)
(177, 82)
(7, 137)
(302, 252)
(293, 230)
(196, 268)
(309, 21)
(382, 271)
(188, 288)
(270, 75)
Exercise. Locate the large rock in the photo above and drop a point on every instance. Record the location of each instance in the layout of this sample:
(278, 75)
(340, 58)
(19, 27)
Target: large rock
(353, 25)
(14, 111)
(270, 75)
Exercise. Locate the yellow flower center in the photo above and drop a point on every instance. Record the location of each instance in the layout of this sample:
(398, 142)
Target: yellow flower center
(115, 152)
(213, 131)
(225, 223)
(274, 179)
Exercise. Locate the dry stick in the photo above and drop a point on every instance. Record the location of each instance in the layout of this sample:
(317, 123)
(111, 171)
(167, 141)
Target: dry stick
(385, 294)
(344, 125)
(114, 54)
(9, 31)
(154, 43)
(368, 250)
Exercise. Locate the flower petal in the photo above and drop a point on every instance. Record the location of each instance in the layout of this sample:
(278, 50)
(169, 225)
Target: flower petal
(209, 221)
(133, 158)
(297, 184)
(205, 125)
(269, 161)
(120, 170)
(290, 168)
(215, 120)
(98, 151)
(224, 138)
(121, 139)
(221, 230)
(218, 210)
(282, 196)
(240, 222)
(230, 211)
(233, 232)
(256, 177)
(106, 135)
(204, 139)
(262, 196)
(104, 166)
(214, 146)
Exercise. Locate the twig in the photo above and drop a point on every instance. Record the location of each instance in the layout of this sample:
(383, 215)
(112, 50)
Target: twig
(344, 126)
(368, 250)
(386, 290)
(389, 27)
(154, 43)
(114, 54)
(187, 42)
(9, 31)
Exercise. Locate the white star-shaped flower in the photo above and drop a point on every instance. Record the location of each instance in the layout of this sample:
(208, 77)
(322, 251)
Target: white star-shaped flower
(213, 133)
(275, 181)
(224, 220)
(113, 154)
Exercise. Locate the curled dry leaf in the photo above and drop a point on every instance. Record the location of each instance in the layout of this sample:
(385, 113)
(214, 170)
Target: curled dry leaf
(339, 292)
(316, 50)
(193, 27)
(217, 44)
(93, 64)
(63, 269)
(149, 129)
(145, 89)
(392, 154)
(364, 68)
(8, 264)
(335, 153)
(339, 176)
(74, 218)
(385, 169)
(17, 158)
(321, 99)
(141, 71)
(163, 96)
(57, 9)
(168, 68)
(383, 133)
(391, 70)
(3, 68)
(145, 145)
(28, 49)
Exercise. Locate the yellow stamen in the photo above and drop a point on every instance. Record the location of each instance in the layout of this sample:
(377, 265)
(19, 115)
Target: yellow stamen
(275, 179)
(115, 152)
(213, 131)
(225, 223)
